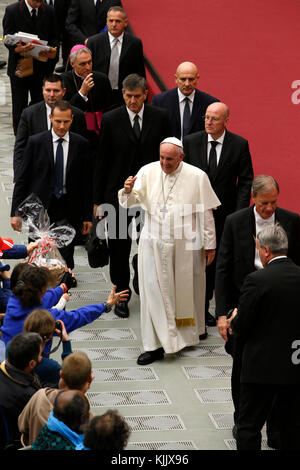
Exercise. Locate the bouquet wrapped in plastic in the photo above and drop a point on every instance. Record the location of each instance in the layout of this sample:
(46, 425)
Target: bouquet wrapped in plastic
(51, 237)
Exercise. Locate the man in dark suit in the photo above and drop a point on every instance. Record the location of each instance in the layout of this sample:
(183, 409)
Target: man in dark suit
(29, 16)
(185, 104)
(36, 118)
(129, 138)
(226, 158)
(56, 168)
(117, 53)
(238, 257)
(267, 322)
(86, 18)
(61, 8)
(86, 89)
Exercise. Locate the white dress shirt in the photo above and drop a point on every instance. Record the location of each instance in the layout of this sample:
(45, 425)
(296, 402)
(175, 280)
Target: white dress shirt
(30, 8)
(132, 116)
(260, 224)
(182, 98)
(218, 147)
(48, 112)
(120, 39)
(65, 145)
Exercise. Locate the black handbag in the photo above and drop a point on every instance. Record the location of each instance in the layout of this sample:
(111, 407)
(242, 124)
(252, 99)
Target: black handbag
(96, 246)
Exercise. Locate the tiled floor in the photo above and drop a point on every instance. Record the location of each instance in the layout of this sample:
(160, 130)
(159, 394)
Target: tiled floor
(181, 403)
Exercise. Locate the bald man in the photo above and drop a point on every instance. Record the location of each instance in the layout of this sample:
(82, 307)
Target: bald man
(229, 168)
(185, 104)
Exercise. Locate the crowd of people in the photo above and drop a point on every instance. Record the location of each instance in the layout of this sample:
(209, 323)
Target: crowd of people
(92, 148)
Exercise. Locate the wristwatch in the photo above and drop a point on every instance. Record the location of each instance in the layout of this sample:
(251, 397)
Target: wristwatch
(107, 307)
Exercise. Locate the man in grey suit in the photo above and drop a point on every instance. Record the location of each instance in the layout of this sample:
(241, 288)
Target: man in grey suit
(36, 118)
(185, 104)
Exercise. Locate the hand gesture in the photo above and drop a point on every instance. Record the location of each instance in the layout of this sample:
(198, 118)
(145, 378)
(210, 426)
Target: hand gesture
(87, 84)
(116, 297)
(129, 183)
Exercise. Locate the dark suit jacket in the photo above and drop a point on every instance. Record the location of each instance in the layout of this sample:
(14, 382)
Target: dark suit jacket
(37, 176)
(82, 20)
(34, 120)
(121, 154)
(170, 102)
(232, 183)
(17, 18)
(131, 58)
(268, 322)
(99, 97)
(236, 254)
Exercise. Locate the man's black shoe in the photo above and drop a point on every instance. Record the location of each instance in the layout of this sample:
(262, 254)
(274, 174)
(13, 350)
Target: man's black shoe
(234, 431)
(150, 356)
(121, 309)
(210, 320)
(2, 64)
(204, 336)
(135, 280)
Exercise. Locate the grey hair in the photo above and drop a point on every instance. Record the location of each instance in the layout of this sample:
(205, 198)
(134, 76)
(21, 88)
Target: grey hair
(133, 82)
(275, 238)
(263, 184)
(74, 54)
(118, 8)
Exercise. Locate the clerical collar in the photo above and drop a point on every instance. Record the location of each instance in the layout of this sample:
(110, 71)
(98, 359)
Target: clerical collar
(182, 97)
(132, 114)
(30, 8)
(220, 139)
(77, 75)
(260, 222)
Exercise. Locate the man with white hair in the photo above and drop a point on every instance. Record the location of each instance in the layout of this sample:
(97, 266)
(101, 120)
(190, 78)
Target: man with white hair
(176, 243)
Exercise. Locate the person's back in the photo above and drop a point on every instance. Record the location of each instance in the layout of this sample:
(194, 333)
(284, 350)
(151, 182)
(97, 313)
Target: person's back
(17, 383)
(63, 430)
(76, 374)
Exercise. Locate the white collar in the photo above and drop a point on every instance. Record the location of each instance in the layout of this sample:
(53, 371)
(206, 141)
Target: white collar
(112, 38)
(220, 139)
(132, 115)
(31, 8)
(182, 97)
(55, 137)
(260, 221)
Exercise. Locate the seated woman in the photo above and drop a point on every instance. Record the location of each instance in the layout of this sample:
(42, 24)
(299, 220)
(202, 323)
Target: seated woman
(42, 322)
(29, 291)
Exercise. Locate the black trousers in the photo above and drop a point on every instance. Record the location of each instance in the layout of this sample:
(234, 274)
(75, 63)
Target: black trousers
(119, 244)
(256, 402)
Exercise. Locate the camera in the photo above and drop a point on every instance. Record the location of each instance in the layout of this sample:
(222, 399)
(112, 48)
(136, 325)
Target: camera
(58, 326)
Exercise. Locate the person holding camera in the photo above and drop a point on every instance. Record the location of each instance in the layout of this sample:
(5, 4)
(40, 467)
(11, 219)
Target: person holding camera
(42, 322)
(29, 291)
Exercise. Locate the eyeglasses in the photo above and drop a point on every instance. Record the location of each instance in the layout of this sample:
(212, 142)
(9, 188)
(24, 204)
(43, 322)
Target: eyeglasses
(209, 118)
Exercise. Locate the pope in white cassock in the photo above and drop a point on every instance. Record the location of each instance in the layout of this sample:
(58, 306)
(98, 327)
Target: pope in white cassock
(177, 241)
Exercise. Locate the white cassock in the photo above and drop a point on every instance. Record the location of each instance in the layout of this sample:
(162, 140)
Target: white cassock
(178, 227)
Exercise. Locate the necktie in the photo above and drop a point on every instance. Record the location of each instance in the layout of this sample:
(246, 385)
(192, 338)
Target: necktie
(59, 170)
(186, 118)
(33, 19)
(212, 161)
(136, 126)
(51, 2)
(113, 73)
(98, 5)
